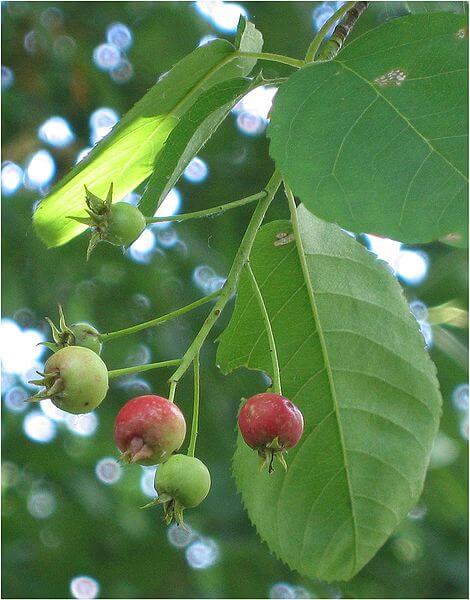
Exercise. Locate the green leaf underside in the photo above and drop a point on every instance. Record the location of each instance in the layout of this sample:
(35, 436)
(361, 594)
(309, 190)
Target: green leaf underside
(199, 123)
(352, 358)
(127, 155)
(192, 131)
(376, 140)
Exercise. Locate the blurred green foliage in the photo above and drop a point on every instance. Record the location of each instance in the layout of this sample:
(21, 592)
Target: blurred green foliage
(97, 529)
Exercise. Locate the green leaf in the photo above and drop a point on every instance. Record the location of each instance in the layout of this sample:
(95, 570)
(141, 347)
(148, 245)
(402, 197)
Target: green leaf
(376, 140)
(424, 6)
(248, 39)
(127, 155)
(199, 123)
(192, 131)
(352, 358)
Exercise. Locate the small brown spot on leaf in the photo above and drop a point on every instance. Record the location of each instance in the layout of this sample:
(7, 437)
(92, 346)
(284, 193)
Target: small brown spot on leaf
(462, 33)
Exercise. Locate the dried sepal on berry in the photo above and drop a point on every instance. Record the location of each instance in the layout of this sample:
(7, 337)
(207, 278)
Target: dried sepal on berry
(77, 334)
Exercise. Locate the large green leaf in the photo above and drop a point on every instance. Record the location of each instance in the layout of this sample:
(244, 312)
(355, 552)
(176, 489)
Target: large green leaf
(352, 358)
(376, 140)
(127, 155)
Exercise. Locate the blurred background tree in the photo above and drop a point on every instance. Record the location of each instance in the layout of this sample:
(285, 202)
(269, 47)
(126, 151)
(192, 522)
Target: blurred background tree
(71, 519)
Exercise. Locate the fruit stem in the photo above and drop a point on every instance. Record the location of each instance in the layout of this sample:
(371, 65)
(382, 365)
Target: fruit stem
(272, 342)
(208, 212)
(230, 285)
(286, 60)
(104, 337)
(140, 368)
(195, 420)
(171, 395)
(318, 39)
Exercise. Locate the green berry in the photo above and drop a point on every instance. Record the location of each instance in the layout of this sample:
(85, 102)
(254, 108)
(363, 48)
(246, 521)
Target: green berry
(75, 378)
(125, 224)
(119, 223)
(181, 482)
(86, 336)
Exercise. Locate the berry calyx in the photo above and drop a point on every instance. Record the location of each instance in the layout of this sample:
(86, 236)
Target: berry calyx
(87, 336)
(270, 424)
(78, 334)
(182, 482)
(148, 429)
(75, 378)
(119, 224)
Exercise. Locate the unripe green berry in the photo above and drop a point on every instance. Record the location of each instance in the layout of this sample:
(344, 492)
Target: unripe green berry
(125, 224)
(181, 482)
(86, 336)
(76, 379)
(184, 478)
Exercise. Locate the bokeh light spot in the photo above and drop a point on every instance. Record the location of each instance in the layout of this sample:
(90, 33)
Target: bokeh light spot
(40, 169)
(202, 554)
(106, 57)
(84, 587)
(196, 171)
(15, 399)
(56, 131)
(82, 425)
(108, 470)
(38, 427)
(12, 177)
(41, 504)
(119, 35)
(180, 537)
(8, 78)
(460, 397)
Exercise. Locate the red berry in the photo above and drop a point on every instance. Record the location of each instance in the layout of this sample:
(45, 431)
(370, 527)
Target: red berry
(270, 424)
(148, 429)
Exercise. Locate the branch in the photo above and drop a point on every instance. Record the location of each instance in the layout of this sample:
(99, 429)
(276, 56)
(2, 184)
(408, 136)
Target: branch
(341, 32)
(318, 39)
(230, 285)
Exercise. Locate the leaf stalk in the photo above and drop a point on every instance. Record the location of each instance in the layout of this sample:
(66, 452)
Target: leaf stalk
(280, 58)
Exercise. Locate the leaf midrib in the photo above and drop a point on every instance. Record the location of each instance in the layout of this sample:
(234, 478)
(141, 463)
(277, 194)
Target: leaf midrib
(400, 114)
(329, 371)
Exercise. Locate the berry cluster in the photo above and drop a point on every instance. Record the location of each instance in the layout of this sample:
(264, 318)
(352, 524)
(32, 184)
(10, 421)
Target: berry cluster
(150, 429)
